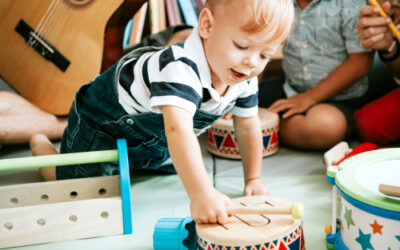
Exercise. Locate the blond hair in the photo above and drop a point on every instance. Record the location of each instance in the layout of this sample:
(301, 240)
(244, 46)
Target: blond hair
(274, 16)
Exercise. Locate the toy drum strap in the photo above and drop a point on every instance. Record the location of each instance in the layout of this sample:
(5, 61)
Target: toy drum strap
(253, 231)
(369, 219)
(222, 140)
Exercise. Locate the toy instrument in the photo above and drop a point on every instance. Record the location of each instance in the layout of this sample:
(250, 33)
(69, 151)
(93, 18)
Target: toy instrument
(66, 209)
(254, 231)
(369, 219)
(222, 140)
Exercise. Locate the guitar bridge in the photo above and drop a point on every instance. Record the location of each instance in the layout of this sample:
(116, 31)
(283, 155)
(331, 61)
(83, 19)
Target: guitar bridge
(43, 47)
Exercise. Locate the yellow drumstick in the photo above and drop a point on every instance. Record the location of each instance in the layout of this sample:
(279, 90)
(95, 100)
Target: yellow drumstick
(391, 25)
(296, 210)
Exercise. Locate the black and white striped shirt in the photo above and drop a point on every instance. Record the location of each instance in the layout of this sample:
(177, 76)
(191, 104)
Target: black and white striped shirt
(179, 75)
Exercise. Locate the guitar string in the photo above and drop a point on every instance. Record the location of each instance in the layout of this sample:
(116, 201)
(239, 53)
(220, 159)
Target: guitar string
(65, 15)
(50, 19)
(43, 21)
(44, 17)
(55, 20)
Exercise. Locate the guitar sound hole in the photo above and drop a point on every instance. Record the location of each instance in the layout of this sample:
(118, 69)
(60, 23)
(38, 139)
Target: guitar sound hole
(79, 3)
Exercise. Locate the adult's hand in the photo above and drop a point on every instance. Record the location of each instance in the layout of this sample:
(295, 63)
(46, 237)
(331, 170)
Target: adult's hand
(373, 29)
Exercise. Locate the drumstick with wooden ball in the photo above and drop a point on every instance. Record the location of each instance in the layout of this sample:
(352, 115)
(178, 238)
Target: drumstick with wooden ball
(296, 210)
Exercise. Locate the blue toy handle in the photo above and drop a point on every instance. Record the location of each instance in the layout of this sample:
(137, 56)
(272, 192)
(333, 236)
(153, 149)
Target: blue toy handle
(125, 185)
(174, 234)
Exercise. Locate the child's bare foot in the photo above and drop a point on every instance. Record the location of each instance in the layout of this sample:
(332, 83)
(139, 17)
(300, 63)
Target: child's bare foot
(41, 145)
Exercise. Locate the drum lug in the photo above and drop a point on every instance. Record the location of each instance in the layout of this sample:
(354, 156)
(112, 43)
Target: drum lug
(332, 170)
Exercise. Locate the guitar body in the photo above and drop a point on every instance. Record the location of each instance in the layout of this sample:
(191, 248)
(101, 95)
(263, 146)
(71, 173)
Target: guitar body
(70, 31)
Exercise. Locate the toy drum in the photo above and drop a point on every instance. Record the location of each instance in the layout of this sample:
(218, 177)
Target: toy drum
(368, 218)
(222, 139)
(253, 231)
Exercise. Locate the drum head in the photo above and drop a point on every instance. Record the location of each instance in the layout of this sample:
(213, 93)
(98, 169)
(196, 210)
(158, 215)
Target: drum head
(251, 229)
(267, 119)
(222, 137)
(359, 177)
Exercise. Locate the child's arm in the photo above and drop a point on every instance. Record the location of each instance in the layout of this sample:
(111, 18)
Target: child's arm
(346, 74)
(207, 205)
(249, 136)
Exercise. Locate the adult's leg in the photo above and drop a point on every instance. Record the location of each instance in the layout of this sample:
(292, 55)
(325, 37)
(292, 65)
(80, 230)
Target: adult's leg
(20, 119)
(321, 127)
(41, 145)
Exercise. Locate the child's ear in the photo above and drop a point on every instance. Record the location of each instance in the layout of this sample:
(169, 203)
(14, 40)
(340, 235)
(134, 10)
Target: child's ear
(206, 22)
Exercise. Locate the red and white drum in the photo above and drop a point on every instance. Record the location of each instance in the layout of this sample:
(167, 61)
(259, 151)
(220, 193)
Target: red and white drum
(222, 140)
(254, 231)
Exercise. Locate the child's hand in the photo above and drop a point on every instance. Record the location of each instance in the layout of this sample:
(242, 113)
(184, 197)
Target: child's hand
(210, 207)
(255, 187)
(297, 104)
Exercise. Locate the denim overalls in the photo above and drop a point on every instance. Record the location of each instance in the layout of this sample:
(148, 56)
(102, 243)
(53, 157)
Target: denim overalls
(96, 120)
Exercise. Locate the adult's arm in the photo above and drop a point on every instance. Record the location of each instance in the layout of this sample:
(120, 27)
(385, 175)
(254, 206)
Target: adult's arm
(374, 33)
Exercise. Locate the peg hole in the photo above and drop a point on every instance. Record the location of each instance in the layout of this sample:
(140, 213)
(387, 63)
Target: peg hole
(73, 218)
(41, 222)
(8, 225)
(44, 197)
(104, 215)
(73, 195)
(102, 191)
(14, 200)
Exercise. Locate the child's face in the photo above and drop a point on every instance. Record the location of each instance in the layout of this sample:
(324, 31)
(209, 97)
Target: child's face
(234, 55)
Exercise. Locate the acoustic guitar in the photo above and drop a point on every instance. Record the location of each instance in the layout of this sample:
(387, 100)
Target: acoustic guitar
(49, 48)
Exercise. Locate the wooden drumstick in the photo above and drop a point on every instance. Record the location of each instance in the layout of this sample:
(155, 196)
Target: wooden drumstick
(389, 190)
(391, 25)
(296, 210)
